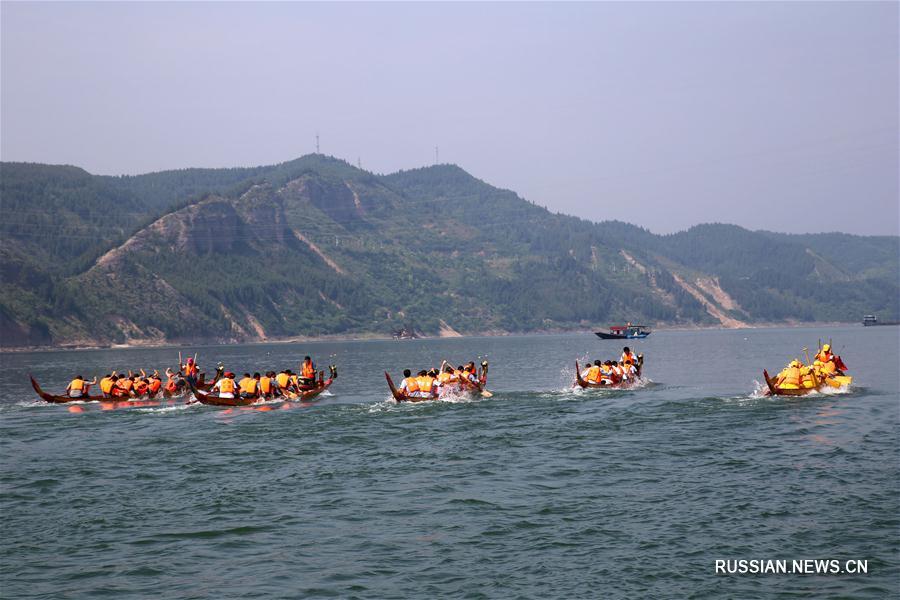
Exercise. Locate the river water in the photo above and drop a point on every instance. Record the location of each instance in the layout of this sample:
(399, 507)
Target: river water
(537, 492)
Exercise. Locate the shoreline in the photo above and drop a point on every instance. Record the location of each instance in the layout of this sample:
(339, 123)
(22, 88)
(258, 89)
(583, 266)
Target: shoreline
(138, 345)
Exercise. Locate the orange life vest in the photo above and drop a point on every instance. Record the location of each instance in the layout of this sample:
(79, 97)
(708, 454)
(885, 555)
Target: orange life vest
(308, 371)
(155, 384)
(140, 387)
(226, 386)
(189, 369)
(412, 384)
(171, 386)
(593, 374)
(265, 385)
(824, 356)
(248, 385)
(127, 385)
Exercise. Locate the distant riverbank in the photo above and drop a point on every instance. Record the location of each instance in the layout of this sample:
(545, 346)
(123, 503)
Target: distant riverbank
(145, 344)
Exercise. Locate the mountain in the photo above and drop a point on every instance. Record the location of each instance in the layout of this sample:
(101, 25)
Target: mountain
(316, 246)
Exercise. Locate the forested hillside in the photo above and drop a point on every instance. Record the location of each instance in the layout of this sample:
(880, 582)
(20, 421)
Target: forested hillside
(315, 246)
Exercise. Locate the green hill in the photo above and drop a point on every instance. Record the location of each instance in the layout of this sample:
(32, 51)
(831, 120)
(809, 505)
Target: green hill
(316, 246)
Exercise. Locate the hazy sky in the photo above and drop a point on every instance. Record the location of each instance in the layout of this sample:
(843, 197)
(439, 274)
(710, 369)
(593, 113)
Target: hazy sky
(770, 115)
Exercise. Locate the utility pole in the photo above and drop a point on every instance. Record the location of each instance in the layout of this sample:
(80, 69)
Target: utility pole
(436, 155)
(317, 142)
(359, 163)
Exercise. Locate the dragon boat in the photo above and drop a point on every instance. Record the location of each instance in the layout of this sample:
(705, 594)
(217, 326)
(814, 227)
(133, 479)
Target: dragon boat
(457, 389)
(305, 395)
(620, 385)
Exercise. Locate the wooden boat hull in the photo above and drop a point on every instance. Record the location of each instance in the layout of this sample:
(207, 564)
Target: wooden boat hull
(215, 400)
(56, 399)
(774, 390)
(622, 385)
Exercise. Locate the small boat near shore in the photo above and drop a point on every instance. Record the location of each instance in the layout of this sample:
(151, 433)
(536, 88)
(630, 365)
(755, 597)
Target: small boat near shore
(624, 332)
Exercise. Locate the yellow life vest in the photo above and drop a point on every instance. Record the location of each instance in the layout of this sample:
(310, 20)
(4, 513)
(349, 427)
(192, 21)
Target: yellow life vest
(248, 385)
(265, 384)
(791, 378)
(412, 384)
(445, 377)
(425, 383)
(593, 375)
(106, 385)
(226, 386)
(282, 379)
(77, 385)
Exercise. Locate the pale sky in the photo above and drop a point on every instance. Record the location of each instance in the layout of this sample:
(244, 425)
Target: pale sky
(772, 115)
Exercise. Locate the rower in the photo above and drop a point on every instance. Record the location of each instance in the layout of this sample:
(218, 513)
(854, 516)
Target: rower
(824, 355)
(283, 379)
(471, 372)
(123, 386)
(189, 370)
(425, 383)
(789, 378)
(594, 373)
(226, 386)
(155, 383)
(107, 383)
(446, 376)
(627, 355)
(294, 381)
(409, 386)
(266, 383)
(307, 373)
(141, 386)
(249, 385)
(606, 374)
(78, 387)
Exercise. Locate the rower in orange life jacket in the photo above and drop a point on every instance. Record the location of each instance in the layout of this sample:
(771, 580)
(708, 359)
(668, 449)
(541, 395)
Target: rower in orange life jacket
(825, 354)
(155, 383)
(308, 372)
(593, 373)
(189, 370)
(446, 377)
(283, 379)
(410, 385)
(249, 386)
(627, 354)
(141, 386)
(425, 383)
(78, 387)
(107, 383)
(226, 386)
(265, 384)
(125, 385)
